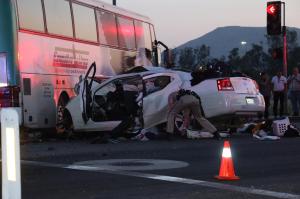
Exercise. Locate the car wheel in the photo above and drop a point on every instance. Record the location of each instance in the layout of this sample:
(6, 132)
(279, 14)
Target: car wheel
(179, 121)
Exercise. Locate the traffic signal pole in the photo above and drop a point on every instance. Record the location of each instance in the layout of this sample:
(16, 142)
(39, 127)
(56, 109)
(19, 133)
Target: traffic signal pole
(276, 27)
(285, 61)
(285, 51)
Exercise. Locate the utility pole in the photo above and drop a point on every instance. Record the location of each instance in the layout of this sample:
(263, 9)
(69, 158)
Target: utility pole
(115, 2)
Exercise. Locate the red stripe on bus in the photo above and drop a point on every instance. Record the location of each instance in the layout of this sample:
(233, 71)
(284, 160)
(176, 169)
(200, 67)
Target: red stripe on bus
(70, 66)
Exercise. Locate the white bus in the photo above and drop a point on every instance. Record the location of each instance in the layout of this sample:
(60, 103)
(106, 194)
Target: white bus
(45, 45)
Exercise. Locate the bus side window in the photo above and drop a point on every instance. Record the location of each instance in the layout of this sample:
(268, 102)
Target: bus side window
(147, 35)
(107, 27)
(31, 15)
(126, 33)
(85, 23)
(140, 34)
(58, 17)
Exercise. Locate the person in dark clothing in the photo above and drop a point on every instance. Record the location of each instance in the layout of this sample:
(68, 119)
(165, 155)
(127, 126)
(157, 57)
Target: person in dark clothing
(294, 90)
(131, 108)
(279, 85)
(265, 88)
(117, 108)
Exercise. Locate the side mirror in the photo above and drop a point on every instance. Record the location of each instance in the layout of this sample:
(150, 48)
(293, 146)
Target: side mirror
(166, 55)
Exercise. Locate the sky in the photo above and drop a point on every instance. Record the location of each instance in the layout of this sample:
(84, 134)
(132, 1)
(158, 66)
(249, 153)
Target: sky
(179, 21)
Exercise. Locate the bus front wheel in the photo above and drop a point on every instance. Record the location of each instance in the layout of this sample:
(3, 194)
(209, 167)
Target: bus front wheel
(62, 102)
(68, 124)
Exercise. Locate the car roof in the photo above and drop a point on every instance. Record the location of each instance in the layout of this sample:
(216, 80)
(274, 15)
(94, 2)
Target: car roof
(184, 76)
(144, 74)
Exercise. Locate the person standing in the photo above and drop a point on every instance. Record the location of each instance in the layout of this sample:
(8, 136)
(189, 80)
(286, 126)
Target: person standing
(279, 85)
(265, 88)
(294, 89)
(187, 99)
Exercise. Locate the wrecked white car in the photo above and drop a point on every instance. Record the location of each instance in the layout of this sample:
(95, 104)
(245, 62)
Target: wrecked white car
(94, 110)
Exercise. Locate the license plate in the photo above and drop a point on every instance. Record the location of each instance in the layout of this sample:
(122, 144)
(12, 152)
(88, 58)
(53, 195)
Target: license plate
(250, 101)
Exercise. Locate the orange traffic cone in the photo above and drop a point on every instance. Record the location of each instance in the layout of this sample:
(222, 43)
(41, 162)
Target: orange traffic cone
(227, 169)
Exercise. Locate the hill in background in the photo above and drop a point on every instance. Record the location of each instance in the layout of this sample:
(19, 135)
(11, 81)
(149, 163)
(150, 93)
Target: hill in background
(222, 40)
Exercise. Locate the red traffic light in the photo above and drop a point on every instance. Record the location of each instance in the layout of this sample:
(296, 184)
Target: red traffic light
(274, 18)
(272, 9)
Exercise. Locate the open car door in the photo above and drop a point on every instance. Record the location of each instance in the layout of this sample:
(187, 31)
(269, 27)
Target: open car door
(86, 93)
(112, 102)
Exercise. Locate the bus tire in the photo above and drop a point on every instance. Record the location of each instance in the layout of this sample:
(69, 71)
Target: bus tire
(62, 102)
(68, 124)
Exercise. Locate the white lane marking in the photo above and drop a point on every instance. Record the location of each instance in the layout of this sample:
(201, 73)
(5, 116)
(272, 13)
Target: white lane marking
(133, 164)
(202, 183)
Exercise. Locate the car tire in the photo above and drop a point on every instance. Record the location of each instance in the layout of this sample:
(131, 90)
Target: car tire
(179, 123)
(179, 128)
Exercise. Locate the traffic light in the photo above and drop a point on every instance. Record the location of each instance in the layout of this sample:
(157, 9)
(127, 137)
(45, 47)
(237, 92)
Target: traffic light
(277, 53)
(274, 18)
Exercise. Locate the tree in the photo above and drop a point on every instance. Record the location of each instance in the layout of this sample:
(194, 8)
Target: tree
(234, 58)
(277, 42)
(254, 61)
(294, 58)
(202, 55)
(291, 39)
(187, 58)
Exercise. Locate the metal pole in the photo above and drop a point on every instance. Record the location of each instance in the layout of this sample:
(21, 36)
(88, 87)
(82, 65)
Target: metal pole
(285, 61)
(285, 51)
(114, 2)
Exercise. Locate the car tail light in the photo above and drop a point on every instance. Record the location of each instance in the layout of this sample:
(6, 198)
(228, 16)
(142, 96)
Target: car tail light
(224, 85)
(9, 96)
(256, 85)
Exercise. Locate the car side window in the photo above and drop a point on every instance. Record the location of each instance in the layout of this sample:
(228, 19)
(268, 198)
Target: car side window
(156, 84)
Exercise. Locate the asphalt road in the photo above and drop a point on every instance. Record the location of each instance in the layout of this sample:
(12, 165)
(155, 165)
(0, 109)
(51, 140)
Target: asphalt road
(54, 170)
